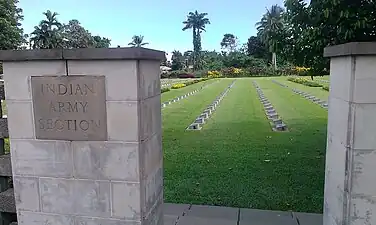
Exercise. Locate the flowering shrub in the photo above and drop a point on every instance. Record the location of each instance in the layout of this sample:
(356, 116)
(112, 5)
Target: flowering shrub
(304, 81)
(177, 86)
(301, 71)
(214, 74)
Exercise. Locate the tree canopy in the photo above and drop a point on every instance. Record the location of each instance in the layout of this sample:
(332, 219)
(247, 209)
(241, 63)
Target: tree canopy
(11, 33)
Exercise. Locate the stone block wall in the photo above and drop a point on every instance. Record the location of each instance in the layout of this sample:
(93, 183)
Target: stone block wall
(117, 181)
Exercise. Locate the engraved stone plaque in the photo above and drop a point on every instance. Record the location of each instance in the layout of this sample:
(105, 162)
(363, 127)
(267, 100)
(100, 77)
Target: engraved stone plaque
(69, 107)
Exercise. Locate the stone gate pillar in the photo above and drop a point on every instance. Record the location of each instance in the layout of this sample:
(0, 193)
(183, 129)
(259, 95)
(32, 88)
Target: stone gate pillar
(85, 135)
(350, 179)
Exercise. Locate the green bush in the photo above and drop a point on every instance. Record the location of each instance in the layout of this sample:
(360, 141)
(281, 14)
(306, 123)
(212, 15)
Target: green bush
(165, 90)
(325, 87)
(304, 81)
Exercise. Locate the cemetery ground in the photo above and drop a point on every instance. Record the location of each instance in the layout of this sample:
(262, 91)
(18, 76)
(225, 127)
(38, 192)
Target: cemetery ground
(236, 159)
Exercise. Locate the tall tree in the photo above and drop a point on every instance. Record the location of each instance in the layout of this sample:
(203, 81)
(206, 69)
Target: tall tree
(48, 34)
(76, 36)
(326, 22)
(11, 33)
(197, 22)
(101, 42)
(256, 48)
(188, 57)
(270, 30)
(229, 42)
(138, 41)
(177, 60)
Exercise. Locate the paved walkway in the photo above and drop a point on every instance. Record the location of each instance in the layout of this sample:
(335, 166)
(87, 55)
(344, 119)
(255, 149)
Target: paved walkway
(182, 214)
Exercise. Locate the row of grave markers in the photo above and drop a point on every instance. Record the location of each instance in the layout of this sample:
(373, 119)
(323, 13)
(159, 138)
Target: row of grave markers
(322, 103)
(275, 121)
(209, 110)
(165, 104)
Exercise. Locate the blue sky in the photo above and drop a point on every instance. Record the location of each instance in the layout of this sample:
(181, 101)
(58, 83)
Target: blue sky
(160, 21)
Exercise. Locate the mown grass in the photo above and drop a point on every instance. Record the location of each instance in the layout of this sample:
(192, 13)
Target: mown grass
(236, 160)
(316, 91)
(173, 93)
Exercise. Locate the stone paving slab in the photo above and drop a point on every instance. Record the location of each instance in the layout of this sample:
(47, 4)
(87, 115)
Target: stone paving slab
(213, 212)
(191, 220)
(308, 218)
(184, 214)
(265, 217)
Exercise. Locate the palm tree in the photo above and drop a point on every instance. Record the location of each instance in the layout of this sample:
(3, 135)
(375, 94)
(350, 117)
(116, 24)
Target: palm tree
(47, 34)
(270, 28)
(197, 22)
(137, 41)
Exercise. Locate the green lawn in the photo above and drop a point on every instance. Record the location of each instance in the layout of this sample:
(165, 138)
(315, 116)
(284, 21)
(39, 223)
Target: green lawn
(236, 160)
(173, 93)
(316, 91)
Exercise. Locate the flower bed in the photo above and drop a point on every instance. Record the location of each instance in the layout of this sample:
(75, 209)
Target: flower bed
(177, 86)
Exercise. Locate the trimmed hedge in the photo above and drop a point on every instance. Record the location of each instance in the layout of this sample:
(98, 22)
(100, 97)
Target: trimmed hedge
(165, 90)
(304, 81)
(181, 85)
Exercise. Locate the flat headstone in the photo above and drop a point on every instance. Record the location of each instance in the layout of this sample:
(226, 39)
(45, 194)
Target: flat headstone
(204, 115)
(265, 217)
(270, 111)
(267, 104)
(272, 116)
(268, 108)
(208, 111)
(194, 126)
(163, 105)
(200, 120)
(309, 218)
(277, 121)
(281, 127)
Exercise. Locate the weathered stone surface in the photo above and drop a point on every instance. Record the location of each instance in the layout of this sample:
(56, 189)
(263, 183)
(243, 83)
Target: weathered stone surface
(265, 217)
(151, 155)
(151, 122)
(17, 76)
(122, 121)
(213, 212)
(149, 79)
(155, 215)
(26, 193)
(114, 71)
(200, 120)
(100, 221)
(93, 201)
(113, 54)
(20, 120)
(126, 200)
(152, 188)
(31, 218)
(42, 158)
(70, 107)
(106, 160)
